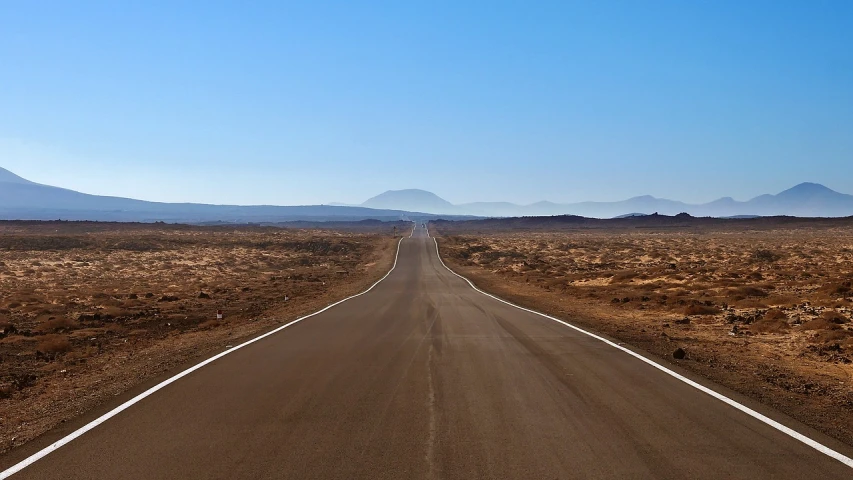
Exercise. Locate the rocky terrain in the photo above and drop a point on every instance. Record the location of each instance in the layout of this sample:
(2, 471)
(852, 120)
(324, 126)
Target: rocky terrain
(764, 308)
(89, 310)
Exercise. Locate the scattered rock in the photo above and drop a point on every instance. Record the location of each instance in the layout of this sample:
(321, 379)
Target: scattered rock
(683, 321)
(168, 298)
(204, 295)
(679, 354)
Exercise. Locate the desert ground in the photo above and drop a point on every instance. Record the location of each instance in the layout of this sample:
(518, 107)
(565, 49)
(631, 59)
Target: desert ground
(763, 307)
(90, 310)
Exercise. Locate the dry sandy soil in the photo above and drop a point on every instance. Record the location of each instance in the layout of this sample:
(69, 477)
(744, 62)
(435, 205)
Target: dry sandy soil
(89, 310)
(761, 308)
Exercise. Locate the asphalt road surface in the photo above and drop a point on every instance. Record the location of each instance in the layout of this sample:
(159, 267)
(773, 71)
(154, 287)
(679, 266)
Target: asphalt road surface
(425, 378)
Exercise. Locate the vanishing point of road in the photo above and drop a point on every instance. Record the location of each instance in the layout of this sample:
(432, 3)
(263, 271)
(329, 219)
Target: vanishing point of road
(425, 378)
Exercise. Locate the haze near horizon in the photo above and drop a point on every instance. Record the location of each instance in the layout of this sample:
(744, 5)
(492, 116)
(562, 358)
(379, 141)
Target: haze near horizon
(288, 105)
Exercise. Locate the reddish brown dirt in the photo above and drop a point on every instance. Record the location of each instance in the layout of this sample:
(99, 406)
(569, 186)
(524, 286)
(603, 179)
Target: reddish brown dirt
(764, 311)
(87, 311)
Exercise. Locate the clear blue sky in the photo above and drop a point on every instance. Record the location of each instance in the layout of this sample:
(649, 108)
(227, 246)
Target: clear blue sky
(313, 102)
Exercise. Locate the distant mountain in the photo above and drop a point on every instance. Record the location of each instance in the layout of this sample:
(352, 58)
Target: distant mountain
(411, 200)
(21, 199)
(804, 200)
(8, 177)
(493, 209)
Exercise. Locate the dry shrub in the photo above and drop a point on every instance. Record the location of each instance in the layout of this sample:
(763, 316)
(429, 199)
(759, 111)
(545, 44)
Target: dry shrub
(844, 288)
(755, 276)
(109, 313)
(832, 336)
(56, 325)
(54, 344)
(774, 321)
(783, 300)
(750, 303)
(770, 326)
(767, 256)
(701, 310)
(820, 324)
(748, 291)
(835, 317)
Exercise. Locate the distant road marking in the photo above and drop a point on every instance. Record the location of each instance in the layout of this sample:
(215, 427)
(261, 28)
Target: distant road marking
(743, 408)
(124, 406)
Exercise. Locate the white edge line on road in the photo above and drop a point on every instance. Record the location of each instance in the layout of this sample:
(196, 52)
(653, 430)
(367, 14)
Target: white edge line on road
(124, 406)
(743, 408)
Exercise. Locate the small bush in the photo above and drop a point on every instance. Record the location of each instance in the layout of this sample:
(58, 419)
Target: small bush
(770, 325)
(832, 336)
(835, 317)
(841, 289)
(701, 310)
(766, 256)
(820, 324)
(788, 300)
(749, 303)
(751, 292)
(54, 344)
(110, 313)
(56, 325)
(21, 381)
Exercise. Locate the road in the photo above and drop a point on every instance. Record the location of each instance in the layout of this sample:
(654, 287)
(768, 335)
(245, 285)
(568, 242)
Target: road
(425, 378)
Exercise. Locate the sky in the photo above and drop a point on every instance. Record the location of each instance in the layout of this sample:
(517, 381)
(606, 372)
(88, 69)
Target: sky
(314, 102)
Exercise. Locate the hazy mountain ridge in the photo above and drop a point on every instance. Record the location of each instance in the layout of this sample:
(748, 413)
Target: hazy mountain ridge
(803, 200)
(25, 200)
(8, 177)
(411, 200)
